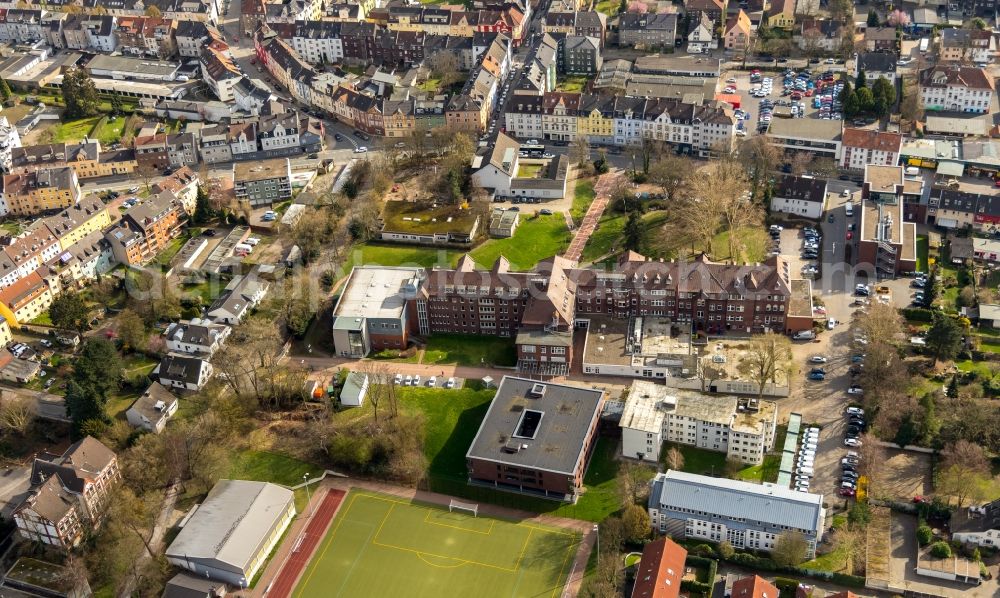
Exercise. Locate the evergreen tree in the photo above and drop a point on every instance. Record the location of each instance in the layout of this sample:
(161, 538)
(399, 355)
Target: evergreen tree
(880, 108)
(84, 405)
(202, 209)
(5, 92)
(69, 311)
(852, 107)
(845, 92)
(633, 231)
(866, 101)
(860, 81)
(887, 89)
(873, 18)
(117, 106)
(944, 338)
(79, 94)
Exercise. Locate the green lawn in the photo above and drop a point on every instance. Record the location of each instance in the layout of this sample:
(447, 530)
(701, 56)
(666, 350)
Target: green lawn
(765, 472)
(583, 196)
(135, 363)
(111, 131)
(605, 238)
(74, 130)
(462, 349)
(43, 319)
(381, 545)
(982, 368)
(572, 84)
(537, 238)
(206, 290)
(608, 7)
(119, 403)
(264, 466)
(834, 561)
(922, 247)
(171, 250)
(754, 243)
(529, 171)
(396, 255)
(431, 85)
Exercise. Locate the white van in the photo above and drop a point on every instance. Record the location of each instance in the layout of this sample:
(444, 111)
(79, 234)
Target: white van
(804, 335)
(849, 209)
(912, 171)
(242, 249)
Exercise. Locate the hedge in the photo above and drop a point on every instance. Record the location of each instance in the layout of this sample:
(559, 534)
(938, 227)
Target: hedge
(785, 583)
(711, 565)
(696, 587)
(917, 314)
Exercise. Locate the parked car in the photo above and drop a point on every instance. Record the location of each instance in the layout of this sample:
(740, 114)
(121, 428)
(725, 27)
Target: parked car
(855, 390)
(804, 335)
(817, 376)
(855, 411)
(852, 442)
(818, 359)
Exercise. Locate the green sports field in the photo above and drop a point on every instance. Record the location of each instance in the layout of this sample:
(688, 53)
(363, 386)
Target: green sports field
(382, 545)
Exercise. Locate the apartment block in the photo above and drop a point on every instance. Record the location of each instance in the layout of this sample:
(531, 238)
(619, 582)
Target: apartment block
(866, 146)
(146, 229)
(263, 183)
(749, 516)
(68, 495)
(42, 190)
(78, 221)
(956, 89)
(886, 242)
(742, 428)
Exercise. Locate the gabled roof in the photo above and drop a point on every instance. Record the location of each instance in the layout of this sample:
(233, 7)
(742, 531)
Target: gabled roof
(872, 140)
(660, 570)
(948, 75)
(876, 62)
(181, 368)
(754, 587)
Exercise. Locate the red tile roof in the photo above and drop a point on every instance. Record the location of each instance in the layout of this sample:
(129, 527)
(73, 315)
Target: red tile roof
(660, 570)
(754, 587)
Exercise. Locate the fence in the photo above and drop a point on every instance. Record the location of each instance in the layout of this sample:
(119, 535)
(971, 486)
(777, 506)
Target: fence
(459, 487)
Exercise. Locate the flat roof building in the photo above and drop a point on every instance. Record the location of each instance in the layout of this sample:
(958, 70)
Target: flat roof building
(743, 428)
(372, 311)
(135, 69)
(536, 438)
(747, 515)
(231, 533)
(640, 347)
(264, 182)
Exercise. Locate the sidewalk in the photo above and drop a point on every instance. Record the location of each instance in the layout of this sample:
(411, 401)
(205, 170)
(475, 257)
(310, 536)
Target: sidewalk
(602, 195)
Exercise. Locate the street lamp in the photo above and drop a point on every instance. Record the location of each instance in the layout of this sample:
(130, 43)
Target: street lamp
(597, 530)
(305, 477)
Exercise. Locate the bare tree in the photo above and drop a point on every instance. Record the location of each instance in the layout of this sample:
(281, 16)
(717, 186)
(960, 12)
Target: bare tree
(16, 413)
(963, 471)
(766, 355)
(873, 457)
(800, 162)
(671, 173)
(675, 459)
(759, 158)
(445, 67)
(580, 150)
(633, 482)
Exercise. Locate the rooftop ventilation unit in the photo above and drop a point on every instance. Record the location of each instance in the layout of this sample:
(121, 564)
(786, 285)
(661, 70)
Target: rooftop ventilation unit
(537, 390)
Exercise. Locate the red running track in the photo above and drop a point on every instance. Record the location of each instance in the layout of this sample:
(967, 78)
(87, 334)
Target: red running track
(286, 579)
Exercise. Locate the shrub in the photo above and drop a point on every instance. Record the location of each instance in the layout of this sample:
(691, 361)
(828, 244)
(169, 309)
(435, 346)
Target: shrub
(726, 550)
(786, 584)
(704, 550)
(695, 587)
(941, 550)
(917, 314)
(924, 534)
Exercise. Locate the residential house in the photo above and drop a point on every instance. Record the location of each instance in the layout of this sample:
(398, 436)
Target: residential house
(78, 221)
(781, 14)
(823, 35)
(191, 36)
(876, 65)
(42, 190)
(162, 151)
(263, 183)
(241, 295)
(318, 42)
(748, 515)
(9, 140)
(25, 300)
(881, 39)
(956, 89)
(196, 337)
(183, 372)
(581, 55)
(967, 45)
(220, 72)
(714, 10)
(660, 570)
(152, 409)
(146, 229)
(183, 183)
(755, 586)
(519, 462)
(650, 30)
(27, 253)
(69, 494)
(867, 146)
(802, 196)
(100, 31)
(84, 260)
(701, 37)
(737, 32)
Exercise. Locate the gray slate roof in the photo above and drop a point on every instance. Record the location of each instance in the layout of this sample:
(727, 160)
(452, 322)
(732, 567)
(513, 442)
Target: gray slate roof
(766, 503)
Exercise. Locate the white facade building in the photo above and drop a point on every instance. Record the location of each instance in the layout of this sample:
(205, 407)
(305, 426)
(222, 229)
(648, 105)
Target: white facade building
(956, 89)
(799, 195)
(9, 139)
(861, 147)
(747, 515)
(742, 428)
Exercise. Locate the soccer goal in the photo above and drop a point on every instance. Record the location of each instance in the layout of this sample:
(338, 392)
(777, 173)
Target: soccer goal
(463, 506)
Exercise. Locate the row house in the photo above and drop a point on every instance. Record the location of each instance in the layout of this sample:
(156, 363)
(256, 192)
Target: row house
(399, 117)
(191, 36)
(714, 10)
(24, 255)
(582, 23)
(83, 261)
(146, 229)
(737, 32)
(45, 189)
(955, 88)
(181, 10)
(10, 140)
(361, 111)
(87, 158)
(460, 47)
(865, 146)
(318, 42)
(162, 151)
(622, 120)
(284, 64)
(967, 45)
(28, 298)
(250, 96)
(146, 36)
(470, 110)
(507, 19)
(220, 72)
(22, 25)
(712, 296)
(340, 12)
(74, 223)
(950, 208)
(647, 29)
(398, 48)
(69, 494)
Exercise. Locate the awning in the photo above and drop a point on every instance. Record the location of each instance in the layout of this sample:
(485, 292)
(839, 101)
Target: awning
(947, 168)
